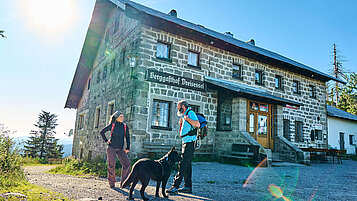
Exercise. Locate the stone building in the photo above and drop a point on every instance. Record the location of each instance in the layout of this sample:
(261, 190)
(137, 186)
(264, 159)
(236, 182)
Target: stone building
(142, 61)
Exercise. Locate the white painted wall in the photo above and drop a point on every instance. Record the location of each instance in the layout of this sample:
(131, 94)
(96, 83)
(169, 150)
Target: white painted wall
(337, 125)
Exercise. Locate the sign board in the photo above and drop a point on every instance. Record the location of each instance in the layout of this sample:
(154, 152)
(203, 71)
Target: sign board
(318, 126)
(292, 107)
(174, 80)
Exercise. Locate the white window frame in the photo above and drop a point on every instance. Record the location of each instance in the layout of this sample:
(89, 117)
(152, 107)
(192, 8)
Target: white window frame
(193, 59)
(163, 50)
(97, 117)
(167, 114)
(110, 103)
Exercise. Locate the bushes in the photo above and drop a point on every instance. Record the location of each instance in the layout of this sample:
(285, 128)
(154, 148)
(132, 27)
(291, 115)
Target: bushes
(10, 161)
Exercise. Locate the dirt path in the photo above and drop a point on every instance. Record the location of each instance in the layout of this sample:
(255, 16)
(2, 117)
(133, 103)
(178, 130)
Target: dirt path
(80, 188)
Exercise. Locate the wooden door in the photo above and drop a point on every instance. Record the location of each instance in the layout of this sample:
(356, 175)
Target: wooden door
(259, 123)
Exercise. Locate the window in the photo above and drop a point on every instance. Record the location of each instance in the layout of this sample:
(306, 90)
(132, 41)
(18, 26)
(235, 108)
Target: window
(97, 118)
(278, 83)
(237, 71)
(352, 139)
(224, 113)
(298, 131)
(116, 25)
(286, 127)
(296, 87)
(163, 50)
(195, 108)
(105, 71)
(123, 56)
(258, 77)
(114, 61)
(81, 122)
(193, 59)
(107, 36)
(161, 114)
(88, 87)
(98, 77)
(312, 91)
(110, 111)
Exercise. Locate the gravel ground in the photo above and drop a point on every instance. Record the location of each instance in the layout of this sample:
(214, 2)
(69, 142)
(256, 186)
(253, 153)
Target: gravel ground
(215, 181)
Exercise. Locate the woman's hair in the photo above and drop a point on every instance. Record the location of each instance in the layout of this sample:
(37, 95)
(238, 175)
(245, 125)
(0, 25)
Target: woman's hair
(115, 116)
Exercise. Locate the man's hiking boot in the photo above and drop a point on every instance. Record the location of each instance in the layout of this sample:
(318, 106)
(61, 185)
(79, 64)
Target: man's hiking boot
(185, 190)
(172, 190)
(112, 185)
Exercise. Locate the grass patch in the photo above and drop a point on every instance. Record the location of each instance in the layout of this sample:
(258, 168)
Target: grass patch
(354, 157)
(32, 192)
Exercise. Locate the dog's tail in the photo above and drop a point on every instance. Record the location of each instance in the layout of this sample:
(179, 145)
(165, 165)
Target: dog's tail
(130, 178)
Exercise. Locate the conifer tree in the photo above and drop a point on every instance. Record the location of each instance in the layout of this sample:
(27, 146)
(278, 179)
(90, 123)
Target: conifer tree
(42, 142)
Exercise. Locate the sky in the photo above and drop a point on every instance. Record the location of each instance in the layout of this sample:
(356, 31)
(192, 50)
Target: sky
(45, 38)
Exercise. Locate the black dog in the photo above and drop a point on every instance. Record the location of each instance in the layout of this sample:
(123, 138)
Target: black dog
(158, 170)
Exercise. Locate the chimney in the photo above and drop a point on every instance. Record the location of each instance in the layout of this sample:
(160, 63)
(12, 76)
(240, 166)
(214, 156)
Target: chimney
(229, 34)
(251, 41)
(173, 13)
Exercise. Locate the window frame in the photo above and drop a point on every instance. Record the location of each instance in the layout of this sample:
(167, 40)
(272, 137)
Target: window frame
(312, 91)
(352, 139)
(240, 68)
(198, 59)
(169, 51)
(168, 127)
(286, 126)
(89, 83)
(299, 138)
(280, 82)
(260, 77)
(97, 117)
(81, 118)
(109, 113)
(106, 39)
(297, 87)
(116, 25)
(222, 126)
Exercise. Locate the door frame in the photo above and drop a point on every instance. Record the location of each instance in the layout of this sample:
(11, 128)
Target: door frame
(270, 123)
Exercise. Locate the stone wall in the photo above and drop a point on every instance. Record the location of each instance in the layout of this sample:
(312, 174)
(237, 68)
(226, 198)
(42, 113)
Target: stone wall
(111, 83)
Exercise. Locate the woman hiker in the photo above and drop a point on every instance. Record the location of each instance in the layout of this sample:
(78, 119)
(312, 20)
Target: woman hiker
(119, 131)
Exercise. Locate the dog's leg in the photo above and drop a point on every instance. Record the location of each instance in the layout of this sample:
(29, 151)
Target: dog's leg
(132, 188)
(157, 188)
(163, 185)
(144, 184)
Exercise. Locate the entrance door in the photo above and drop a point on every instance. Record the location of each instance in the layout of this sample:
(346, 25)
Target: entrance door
(342, 141)
(259, 123)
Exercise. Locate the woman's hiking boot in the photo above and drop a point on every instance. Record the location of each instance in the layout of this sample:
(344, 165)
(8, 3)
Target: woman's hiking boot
(172, 190)
(185, 190)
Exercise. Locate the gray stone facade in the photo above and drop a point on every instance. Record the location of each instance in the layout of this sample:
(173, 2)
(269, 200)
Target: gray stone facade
(114, 81)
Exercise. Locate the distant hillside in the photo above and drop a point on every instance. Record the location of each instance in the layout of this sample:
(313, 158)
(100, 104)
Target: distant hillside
(66, 142)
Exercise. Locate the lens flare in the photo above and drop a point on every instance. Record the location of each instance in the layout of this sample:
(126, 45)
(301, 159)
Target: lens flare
(277, 192)
(251, 174)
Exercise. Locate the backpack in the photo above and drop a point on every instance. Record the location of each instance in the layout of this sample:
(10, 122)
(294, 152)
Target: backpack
(202, 130)
(113, 125)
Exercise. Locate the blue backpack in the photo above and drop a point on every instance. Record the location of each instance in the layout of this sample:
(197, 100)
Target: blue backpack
(202, 130)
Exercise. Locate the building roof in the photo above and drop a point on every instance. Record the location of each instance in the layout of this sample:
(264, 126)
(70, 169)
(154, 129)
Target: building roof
(227, 39)
(334, 112)
(250, 91)
(178, 26)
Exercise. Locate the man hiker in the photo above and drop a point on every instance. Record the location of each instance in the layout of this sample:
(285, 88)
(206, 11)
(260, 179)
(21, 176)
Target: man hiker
(188, 132)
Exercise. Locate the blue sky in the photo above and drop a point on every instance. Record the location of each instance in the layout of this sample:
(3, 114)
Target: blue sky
(44, 40)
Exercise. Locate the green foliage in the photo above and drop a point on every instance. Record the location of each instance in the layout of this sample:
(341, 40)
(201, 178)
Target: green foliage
(10, 161)
(348, 98)
(354, 157)
(28, 160)
(77, 167)
(42, 143)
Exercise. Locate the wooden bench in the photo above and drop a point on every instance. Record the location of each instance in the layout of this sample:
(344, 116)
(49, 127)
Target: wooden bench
(243, 153)
(323, 155)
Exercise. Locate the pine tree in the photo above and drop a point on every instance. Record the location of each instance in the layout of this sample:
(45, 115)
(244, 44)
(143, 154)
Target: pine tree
(348, 97)
(42, 143)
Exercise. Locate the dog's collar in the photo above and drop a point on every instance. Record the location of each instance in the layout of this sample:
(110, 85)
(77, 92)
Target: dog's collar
(168, 161)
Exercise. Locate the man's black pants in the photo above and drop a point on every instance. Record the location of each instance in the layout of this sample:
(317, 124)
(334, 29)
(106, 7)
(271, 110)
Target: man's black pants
(185, 166)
